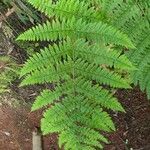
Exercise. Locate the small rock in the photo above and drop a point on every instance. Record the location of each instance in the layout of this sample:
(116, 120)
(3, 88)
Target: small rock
(7, 133)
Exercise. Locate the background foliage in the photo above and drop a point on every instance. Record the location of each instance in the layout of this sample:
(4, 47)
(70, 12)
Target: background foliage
(133, 18)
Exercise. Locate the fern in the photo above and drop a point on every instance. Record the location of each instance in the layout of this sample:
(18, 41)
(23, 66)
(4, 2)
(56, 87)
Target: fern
(67, 9)
(85, 52)
(133, 19)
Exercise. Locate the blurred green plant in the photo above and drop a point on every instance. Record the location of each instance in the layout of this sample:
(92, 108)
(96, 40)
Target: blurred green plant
(133, 18)
(24, 12)
(8, 72)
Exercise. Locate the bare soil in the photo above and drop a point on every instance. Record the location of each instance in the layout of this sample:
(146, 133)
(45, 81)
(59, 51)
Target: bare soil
(133, 127)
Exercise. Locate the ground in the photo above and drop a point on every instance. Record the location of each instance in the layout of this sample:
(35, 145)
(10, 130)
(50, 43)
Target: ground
(133, 127)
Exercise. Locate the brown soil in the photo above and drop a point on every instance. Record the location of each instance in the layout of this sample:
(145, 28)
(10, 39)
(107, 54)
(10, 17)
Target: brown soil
(16, 126)
(133, 127)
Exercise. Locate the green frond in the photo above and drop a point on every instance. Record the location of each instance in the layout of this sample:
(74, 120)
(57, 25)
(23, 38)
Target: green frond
(82, 135)
(103, 76)
(141, 57)
(127, 11)
(66, 9)
(118, 12)
(43, 6)
(49, 55)
(85, 42)
(132, 17)
(89, 71)
(98, 95)
(102, 55)
(77, 29)
(46, 97)
(49, 74)
(92, 53)
(145, 76)
(81, 114)
(92, 137)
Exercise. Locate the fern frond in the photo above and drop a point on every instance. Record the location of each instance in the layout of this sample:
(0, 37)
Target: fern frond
(77, 29)
(101, 75)
(66, 9)
(126, 11)
(92, 53)
(48, 75)
(43, 6)
(142, 75)
(118, 12)
(132, 17)
(141, 56)
(87, 133)
(75, 133)
(89, 71)
(46, 97)
(98, 94)
(86, 51)
(49, 55)
(102, 55)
